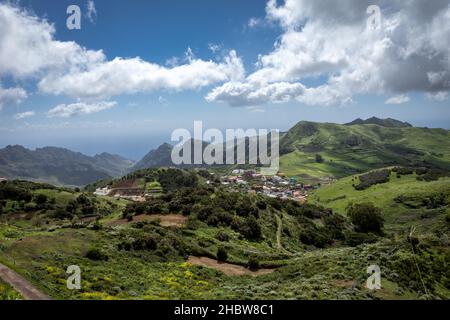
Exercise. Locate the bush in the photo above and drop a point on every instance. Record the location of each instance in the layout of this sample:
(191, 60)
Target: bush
(248, 227)
(355, 239)
(261, 204)
(372, 178)
(172, 179)
(97, 226)
(145, 243)
(253, 264)
(96, 254)
(61, 214)
(335, 225)
(40, 199)
(319, 158)
(315, 236)
(245, 209)
(222, 236)
(366, 217)
(222, 254)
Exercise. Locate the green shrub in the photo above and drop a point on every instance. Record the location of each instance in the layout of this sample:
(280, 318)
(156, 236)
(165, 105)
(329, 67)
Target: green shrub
(366, 217)
(372, 178)
(222, 254)
(355, 239)
(315, 236)
(253, 264)
(96, 254)
(222, 236)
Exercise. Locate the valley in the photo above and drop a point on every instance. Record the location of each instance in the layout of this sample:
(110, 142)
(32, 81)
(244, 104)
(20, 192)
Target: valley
(232, 233)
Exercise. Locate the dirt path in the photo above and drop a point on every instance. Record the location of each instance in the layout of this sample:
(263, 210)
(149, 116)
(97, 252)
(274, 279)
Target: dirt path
(227, 268)
(279, 230)
(166, 220)
(24, 287)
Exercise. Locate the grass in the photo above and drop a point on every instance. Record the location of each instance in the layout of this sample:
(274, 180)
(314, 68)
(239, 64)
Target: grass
(340, 194)
(42, 253)
(355, 149)
(7, 292)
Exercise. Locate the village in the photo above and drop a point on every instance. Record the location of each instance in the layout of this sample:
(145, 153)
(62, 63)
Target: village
(277, 186)
(238, 180)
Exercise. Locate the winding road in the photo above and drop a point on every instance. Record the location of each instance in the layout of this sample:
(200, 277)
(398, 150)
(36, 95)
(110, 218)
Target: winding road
(21, 285)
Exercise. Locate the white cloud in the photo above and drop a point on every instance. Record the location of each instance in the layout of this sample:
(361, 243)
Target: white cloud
(438, 96)
(408, 53)
(254, 93)
(128, 76)
(400, 99)
(214, 48)
(23, 115)
(254, 22)
(91, 11)
(254, 109)
(12, 95)
(80, 108)
(28, 50)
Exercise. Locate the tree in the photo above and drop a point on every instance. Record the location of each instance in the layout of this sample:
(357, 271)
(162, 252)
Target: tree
(253, 264)
(222, 254)
(319, 158)
(40, 199)
(72, 206)
(366, 217)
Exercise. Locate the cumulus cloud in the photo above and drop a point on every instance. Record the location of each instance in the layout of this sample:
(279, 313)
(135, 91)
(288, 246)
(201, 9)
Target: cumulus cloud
(23, 115)
(128, 76)
(400, 99)
(28, 49)
(80, 108)
(321, 40)
(12, 95)
(253, 93)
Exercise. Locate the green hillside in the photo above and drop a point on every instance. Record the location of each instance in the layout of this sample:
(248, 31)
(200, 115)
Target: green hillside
(351, 149)
(404, 200)
(268, 248)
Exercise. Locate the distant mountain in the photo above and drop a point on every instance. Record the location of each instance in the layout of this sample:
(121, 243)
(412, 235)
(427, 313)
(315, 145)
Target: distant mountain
(360, 146)
(59, 166)
(388, 123)
(113, 164)
(160, 157)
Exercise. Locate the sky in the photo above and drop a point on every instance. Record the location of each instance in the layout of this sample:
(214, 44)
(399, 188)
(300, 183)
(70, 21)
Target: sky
(137, 70)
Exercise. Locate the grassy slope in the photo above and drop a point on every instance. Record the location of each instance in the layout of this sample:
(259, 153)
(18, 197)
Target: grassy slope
(319, 274)
(340, 194)
(42, 255)
(354, 149)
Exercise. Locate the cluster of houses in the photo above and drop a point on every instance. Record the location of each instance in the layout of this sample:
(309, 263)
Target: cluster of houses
(276, 186)
(134, 194)
(238, 180)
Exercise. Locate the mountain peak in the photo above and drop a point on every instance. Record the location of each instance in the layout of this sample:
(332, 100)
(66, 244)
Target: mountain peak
(389, 122)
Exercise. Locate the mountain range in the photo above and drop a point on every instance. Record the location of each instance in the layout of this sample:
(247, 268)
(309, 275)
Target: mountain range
(60, 166)
(308, 150)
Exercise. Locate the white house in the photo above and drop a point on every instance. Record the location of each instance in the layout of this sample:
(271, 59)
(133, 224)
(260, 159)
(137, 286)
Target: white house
(102, 191)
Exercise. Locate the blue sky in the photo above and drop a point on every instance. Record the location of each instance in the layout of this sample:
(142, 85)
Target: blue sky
(161, 33)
